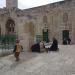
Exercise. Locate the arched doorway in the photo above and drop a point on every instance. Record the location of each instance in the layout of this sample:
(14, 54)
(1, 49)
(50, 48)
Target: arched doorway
(10, 36)
(30, 34)
(45, 30)
(10, 26)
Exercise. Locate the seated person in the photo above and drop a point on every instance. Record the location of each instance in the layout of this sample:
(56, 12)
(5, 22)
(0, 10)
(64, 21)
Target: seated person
(42, 47)
(35, 48)
(54, 46)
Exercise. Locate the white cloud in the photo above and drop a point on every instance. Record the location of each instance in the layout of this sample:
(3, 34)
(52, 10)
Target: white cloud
(2, 3)
(34, 3)
(23, 4)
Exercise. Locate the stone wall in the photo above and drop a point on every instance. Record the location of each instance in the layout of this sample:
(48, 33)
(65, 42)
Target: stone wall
(29, 23)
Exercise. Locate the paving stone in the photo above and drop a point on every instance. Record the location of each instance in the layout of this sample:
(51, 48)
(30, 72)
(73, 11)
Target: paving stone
(52, 63)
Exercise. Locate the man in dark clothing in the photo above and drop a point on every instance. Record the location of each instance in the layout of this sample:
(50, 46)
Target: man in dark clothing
(54, 46)
(35, 48)
(69, 40)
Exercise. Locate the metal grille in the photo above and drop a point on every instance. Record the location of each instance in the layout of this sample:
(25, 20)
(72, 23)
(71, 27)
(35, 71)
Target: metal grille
(7, 43)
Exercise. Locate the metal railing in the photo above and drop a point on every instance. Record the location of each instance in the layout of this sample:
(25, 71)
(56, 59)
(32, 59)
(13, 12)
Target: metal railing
(7, 43)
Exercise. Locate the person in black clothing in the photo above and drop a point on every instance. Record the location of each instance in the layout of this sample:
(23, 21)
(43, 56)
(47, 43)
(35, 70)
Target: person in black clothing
(35, 48)
(54, 46)
(69, 41)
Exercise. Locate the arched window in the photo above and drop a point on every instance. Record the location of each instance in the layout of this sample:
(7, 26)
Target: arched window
(10, 27)
(65, 17)
(45, 19)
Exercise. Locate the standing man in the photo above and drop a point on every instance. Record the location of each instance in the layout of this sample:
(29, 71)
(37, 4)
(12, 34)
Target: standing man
(69, 41)
(17, 49)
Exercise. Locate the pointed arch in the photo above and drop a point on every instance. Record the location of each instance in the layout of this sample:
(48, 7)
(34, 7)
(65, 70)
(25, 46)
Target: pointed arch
(10, 26)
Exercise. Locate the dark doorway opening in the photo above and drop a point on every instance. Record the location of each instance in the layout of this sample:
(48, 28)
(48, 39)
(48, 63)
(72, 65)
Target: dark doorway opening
(45, 35)
(65, 34)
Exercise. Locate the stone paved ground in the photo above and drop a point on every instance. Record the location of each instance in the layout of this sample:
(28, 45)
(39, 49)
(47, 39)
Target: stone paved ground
(53, 63)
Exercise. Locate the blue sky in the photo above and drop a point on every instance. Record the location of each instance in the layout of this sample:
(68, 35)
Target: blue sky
(24, 4)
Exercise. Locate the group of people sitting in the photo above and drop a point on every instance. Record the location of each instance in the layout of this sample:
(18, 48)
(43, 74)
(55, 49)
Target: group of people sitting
(35, 48)
(39, 47)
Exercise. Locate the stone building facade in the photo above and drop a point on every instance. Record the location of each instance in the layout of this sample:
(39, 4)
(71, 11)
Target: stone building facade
(32, 25)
